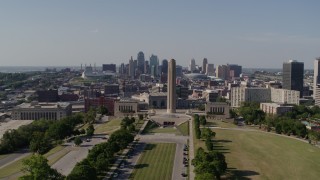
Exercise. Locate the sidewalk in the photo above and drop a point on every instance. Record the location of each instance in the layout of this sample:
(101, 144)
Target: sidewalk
(191, 150)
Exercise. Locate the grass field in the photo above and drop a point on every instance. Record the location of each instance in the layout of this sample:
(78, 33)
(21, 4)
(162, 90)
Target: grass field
(156, 162)
(258, 155)
(109, 126)
(169, 130)
(184, 128)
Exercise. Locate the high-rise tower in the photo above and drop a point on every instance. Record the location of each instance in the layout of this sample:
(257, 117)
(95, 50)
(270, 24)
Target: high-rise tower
(292, 77)
(192, 65)
(204, 65)
(154, 65)
(141, 62)
(171, 99)
(131, 68)
(316, 82)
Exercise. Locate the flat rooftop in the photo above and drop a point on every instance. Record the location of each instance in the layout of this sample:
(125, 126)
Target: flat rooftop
(43, 105)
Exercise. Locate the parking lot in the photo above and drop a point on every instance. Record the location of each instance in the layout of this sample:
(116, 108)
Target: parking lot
(12, 124)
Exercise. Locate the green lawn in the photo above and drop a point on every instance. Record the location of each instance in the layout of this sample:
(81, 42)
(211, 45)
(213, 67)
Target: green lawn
(184, 128)
(109, 126)
(258, 155)
(156, 162)
(169, 130)
(219, 123)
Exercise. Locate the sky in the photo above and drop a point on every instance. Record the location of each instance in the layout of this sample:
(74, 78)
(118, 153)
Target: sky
(254, 34)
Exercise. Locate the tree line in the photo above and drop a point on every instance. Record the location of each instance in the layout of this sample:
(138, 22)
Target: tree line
(208, 165)
(288, 123)
(40, 135)
(101, 156)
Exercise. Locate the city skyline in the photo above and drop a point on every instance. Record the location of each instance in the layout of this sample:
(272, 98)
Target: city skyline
(248, 33)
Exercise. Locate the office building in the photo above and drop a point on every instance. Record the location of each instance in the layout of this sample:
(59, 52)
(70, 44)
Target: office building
(109, 67)
(234, 70)
(293, 73)
(164, 67)
(204, 65)
(154, 65)
(192, 65)
(222, 72)
(131, 68)
(316, 82)
(210, 70)
(36, 111)
(141, 62)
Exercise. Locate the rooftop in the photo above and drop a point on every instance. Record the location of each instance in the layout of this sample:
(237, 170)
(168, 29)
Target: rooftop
(43, 105)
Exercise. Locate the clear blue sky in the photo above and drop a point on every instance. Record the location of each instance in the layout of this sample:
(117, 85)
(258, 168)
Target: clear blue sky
(70, 32)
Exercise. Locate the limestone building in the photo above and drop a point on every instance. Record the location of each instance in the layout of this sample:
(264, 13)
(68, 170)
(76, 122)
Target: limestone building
(275, 108)
(219, 110)
(36, 111)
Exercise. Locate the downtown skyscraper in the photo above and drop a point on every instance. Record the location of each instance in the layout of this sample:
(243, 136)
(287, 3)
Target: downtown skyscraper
(292, 77)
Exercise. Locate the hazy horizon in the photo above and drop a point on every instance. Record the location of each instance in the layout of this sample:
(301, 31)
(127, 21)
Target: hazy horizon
(69, 33)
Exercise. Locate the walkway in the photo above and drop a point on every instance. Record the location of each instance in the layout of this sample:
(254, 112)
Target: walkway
(191, 150)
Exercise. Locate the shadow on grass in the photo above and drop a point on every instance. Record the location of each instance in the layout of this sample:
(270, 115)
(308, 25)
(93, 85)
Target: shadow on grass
(140, 166)
(150, 147)
(222, 141)
(241, 174)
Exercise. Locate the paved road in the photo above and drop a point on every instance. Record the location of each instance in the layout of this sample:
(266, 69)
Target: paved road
(14, 157)
(12, 124)
(67, 162)
(191, 150)
(130, 162)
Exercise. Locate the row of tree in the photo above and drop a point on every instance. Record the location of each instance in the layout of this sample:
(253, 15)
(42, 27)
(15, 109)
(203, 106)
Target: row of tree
(288, 123)
(101, 156)
(40, 134)
(199, 120)
(286, 126)
(99, 159)
(209, 165)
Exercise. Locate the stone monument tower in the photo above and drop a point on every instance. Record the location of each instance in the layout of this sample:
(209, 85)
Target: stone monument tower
(171, 98)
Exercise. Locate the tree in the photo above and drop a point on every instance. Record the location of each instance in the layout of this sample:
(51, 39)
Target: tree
(84, 171)
(212, 162)
(209, 144)
(132, 128)
(77, 141)
(203, 120)
(207, 133)
(140, 117)
(39, 143)
(233, 113)
(198, 133)
(90, 116)
(122, 137)
(37, 168)
(90, 130)
(278, 128)
(103, 110)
